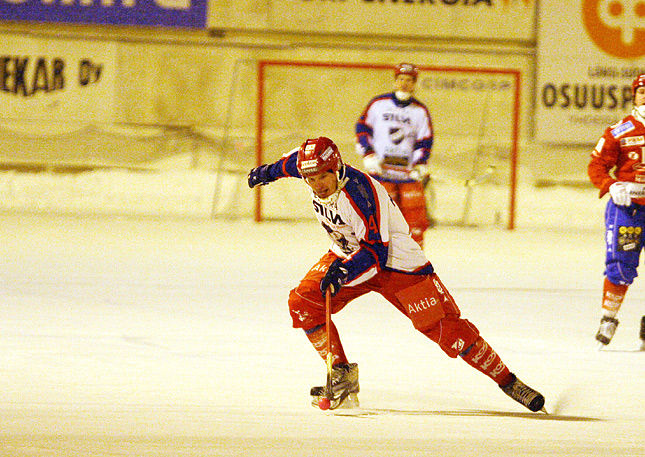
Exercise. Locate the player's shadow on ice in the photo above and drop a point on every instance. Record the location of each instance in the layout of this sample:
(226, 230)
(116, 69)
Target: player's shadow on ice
(466, 413)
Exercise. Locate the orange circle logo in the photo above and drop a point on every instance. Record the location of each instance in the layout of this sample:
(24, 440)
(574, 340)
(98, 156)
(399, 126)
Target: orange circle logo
(616, 26)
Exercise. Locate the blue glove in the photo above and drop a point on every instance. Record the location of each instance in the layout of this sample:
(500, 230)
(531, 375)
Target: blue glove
(334, 278)
(260, 176)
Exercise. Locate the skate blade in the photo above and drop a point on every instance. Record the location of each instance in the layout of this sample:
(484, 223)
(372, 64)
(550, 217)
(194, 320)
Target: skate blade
(349, 402)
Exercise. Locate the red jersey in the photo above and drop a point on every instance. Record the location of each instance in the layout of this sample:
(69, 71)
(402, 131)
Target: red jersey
(621, 149)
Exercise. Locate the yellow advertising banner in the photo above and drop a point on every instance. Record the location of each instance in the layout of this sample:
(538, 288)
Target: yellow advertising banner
(463, 19)
(56, 80)
(589, 51)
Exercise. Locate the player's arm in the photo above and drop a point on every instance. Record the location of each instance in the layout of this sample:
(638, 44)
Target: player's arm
(370, 224)
(283, 168)
(603, 159)
(424, 139)
(365, 262)
(364, 135)
(422, 150)
(364, 148)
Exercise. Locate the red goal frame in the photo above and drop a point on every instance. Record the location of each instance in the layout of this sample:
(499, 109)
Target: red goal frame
(514, 73)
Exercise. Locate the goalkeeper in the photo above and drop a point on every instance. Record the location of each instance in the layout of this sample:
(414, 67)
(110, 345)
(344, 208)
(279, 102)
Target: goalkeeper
(372, 251)
(394, 137)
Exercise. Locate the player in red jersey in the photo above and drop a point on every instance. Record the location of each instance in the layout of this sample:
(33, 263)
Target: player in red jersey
(372, 251)
(617, 167)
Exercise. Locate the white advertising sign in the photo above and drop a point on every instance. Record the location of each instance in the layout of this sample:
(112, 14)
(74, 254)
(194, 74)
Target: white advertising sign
(44, 79)
(483, 19)
(588, 53)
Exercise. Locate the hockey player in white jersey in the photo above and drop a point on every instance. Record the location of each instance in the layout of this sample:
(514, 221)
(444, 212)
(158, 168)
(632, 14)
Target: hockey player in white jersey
(372, 251)
(394, 137)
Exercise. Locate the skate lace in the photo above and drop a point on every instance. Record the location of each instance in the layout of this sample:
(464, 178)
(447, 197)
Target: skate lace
(523, 393)
(608, 328)
(345, 378)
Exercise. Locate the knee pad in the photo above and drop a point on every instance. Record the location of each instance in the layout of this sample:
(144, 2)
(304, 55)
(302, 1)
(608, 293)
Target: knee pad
(306, 306)
(413, 206)
(453, 335)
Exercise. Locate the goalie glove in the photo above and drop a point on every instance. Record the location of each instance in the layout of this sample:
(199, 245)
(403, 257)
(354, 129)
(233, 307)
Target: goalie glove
(335, 277)
(372, 164)
(620, 194)
(419, 172)
(259, 176)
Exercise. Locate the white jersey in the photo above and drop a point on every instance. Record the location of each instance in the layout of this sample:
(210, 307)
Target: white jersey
(367, 229)
(399, 133)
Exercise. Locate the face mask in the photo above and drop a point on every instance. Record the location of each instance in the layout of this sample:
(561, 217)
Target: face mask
(404, 96)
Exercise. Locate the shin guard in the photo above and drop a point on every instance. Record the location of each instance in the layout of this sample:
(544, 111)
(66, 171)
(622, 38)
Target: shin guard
(413, 206)
(318, 338)
(612, 298)
(483, 358)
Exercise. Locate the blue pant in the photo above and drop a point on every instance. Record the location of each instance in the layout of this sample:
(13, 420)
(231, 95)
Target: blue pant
(624, 239)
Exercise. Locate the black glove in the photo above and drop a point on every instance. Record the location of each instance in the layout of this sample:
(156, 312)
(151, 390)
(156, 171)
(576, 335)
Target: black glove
(334, 278)
(260, 176)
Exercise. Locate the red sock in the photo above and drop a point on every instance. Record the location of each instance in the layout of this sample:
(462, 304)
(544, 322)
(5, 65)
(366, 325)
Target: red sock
(318, 339)
(483, 358)
(612, 297)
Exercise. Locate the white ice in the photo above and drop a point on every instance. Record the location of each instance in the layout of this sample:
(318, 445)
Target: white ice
(168, 337)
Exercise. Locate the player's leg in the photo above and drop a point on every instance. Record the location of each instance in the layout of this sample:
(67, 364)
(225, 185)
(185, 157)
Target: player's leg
(412, 202)
(410, 198)
(623, 240)
(612, 299)
(307, 309)
(459, 337)
(392, 190)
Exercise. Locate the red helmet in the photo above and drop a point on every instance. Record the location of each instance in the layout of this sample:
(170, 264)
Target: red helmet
(317, 155)
(406, 69)
(638, 82)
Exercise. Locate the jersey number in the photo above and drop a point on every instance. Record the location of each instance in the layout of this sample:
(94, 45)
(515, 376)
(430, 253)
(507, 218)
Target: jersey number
(371, 224)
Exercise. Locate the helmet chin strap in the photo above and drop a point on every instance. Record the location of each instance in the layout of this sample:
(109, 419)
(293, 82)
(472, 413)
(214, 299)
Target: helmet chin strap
(403, 96)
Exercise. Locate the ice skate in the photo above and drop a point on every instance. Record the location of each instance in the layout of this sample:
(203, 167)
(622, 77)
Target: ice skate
(606, 331)
(523, 394)
(344, 385)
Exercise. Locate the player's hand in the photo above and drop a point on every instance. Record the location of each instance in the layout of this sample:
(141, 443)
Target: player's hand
(620, 194)
(259, 176)
(372, 164)
(334, 278)
(419, 172)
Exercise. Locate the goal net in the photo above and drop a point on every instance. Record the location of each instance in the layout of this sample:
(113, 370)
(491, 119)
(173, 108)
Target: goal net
(475, 114)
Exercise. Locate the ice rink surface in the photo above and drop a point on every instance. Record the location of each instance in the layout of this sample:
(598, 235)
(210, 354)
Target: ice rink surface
(149, 337)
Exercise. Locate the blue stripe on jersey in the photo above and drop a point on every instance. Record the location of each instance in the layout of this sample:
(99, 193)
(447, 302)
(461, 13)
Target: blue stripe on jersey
(374, 249)
(285, 167)
(365, 132)
(426, 144)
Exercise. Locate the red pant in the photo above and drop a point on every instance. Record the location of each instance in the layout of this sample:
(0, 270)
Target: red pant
(307, 306)
(411, 200)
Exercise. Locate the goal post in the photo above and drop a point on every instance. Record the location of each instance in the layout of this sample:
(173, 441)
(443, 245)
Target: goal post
(475, 113)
